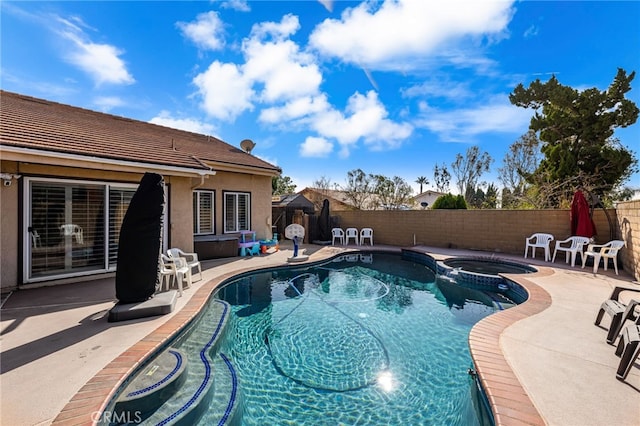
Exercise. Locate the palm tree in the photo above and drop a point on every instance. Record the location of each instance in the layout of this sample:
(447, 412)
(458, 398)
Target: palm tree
(422, 181)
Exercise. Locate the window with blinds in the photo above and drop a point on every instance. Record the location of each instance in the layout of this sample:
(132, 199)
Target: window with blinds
(73, 227)
(203, 212)
(237, 211)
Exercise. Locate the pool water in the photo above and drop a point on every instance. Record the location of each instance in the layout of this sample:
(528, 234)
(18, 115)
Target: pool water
(364, 339)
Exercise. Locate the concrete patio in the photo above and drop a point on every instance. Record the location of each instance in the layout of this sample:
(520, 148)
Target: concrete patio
(55, 339)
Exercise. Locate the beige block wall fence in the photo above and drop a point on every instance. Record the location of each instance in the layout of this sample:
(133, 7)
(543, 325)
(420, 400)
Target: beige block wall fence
(498, 231)
(628, 215)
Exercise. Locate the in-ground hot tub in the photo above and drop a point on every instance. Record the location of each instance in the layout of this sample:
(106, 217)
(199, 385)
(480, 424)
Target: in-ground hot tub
(489, 266)
(215, 246)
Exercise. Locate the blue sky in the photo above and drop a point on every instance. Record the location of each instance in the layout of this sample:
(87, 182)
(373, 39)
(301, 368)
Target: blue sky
(323, 87)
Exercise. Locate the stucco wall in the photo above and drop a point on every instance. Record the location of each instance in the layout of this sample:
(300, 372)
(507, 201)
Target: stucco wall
(180, 217)
(9, 228)
(628, 215)
(260, 189)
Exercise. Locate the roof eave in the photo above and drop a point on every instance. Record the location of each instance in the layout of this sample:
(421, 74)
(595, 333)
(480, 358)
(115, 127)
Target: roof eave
(13, 153)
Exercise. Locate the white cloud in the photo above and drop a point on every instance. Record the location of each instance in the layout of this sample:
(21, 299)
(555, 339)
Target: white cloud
(315, 147)
(439, 87)
(285, 82)
(496, 115)
(532, 31)
(277, 62)
(295, 109)
(206, 32)
(395, 34)
(225, 91)
(284, 72)
(239, 5)
(101, 61)
(288, 25)
(188, 124)
(107, 103)
(366, 119)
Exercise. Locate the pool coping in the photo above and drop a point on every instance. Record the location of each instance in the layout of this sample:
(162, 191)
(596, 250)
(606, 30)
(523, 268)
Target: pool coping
(509, 401)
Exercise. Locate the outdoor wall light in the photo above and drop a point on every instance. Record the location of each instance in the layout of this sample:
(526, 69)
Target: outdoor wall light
(7, 178)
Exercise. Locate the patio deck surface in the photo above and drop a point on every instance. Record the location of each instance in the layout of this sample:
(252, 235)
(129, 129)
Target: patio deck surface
(543, 362)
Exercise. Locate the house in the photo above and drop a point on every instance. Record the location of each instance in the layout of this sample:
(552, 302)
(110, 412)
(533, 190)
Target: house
(428, 197)
(338, 200)
(69, 173)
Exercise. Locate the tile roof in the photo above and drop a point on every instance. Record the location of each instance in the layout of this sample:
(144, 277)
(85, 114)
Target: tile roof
(28, 122)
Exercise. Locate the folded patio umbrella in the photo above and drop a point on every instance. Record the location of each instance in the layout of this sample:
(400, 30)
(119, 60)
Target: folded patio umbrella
(581, 222)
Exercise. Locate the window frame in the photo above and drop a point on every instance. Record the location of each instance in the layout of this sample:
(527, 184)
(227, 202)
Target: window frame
(196, 212)
(236, 195)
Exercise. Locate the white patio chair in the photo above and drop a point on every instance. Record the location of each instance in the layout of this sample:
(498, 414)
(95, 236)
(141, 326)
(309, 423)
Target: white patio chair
(539, 240)
(337, 234)
(605, 252)
(576, 245)
(351, 233)
(366, 233)
(36, 241)
(190, 258)
(174, 270)
(72, 230)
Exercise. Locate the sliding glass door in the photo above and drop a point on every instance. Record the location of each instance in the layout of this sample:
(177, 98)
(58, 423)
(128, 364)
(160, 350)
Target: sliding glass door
(72, 227)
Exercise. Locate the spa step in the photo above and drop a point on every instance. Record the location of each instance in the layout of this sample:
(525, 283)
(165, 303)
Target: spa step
(211, 379)
(152, 386)
(215, 402)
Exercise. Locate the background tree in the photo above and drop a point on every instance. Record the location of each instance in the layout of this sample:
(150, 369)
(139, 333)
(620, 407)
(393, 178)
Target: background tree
(519, 163)
(323, 185)
(359, 187)
(282, 185)
(470, 168)
(449, 201)
(576, 128)
(422, 181)
(391, 194)
(441, 177)
(479, 199)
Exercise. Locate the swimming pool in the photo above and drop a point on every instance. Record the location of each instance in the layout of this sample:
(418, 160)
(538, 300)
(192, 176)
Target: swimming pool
(366, 338)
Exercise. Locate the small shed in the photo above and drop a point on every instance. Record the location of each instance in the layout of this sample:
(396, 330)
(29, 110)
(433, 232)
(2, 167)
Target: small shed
(283, 210)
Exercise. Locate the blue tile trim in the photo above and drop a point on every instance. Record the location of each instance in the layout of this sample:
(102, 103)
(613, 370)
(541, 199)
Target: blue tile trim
(207, 366)
(234, 390)
(473, 280)
(164, 380)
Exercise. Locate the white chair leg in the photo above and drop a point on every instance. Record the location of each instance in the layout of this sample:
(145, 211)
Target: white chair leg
(615, 265)
(179, 279)
(596, 264)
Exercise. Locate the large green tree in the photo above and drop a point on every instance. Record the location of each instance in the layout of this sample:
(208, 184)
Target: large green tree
(282, 185)
(576, 128)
